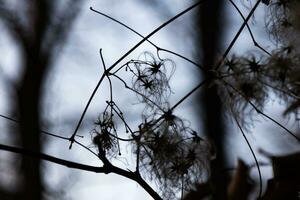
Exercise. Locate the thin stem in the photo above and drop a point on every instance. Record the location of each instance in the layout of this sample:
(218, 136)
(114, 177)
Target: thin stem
(51, 134)
(262, 113)
(105, 169)
(276, 122)
(137, 168)
(72, 138)
(85, 147)
(237, 34)
(153, 32)
(111, 95)
(248, 27)
(124, 121)
(52, 159)
(9, 118)
(279, 89)
(224, 55)
(189, 94)
(253, 154)
(45, 132)
(154, 45)
(288, 92)
(107, 75)
(127, 126)
(122, 139)
(124, 65)
(183, 57)
(140, 94)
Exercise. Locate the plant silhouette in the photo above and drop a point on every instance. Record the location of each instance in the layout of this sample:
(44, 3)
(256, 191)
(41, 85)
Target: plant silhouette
(166, 150)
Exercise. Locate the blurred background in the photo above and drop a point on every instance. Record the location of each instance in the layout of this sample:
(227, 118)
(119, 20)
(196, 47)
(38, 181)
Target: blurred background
(64, 37)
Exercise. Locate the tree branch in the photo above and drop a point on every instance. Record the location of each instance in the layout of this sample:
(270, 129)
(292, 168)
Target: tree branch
(52, 159)
(74, 165)
(122, 58)
(14, 25)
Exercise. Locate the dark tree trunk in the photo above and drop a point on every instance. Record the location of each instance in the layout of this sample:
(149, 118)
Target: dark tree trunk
(29, 102)
(40, 29)
(210, 22)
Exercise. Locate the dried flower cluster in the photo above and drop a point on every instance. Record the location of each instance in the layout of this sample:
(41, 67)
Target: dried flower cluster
(283, 20)
(245, 81)
(165, 146)
(173, 153)
(151, 78)
(242, 81)
(104, 134)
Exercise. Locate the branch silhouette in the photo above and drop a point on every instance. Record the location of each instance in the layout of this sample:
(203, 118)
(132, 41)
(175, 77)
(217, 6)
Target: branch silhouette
(165, 146)
(122, 58)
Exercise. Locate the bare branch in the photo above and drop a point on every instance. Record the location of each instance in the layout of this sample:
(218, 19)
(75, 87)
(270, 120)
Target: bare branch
(122, 58)
(249, 29)
(238, 34)
(74, 165)
(14, 25)
(52, 159)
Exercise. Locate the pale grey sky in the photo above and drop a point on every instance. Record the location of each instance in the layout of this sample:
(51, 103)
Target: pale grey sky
(77, 71)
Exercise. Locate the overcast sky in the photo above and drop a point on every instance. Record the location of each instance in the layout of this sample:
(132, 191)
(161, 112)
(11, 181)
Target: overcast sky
(78, 69)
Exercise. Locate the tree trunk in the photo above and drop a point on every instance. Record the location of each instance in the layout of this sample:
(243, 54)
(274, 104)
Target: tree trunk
(210, 30)
(29, 102)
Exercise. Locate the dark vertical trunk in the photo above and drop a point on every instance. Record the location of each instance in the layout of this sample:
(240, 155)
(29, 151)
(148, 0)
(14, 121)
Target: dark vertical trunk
(29, 101)
(35, 65)
(211, 25)
(40, 28)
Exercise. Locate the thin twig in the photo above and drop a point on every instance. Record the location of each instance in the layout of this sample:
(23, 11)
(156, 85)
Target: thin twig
(237, 34)
(248, 27)
(262, 113)
(52, 159)
(72, 138)
(253, 154)
(124, 121)
(189, 94)
(122, 58)
(105, 169)
(154, 45)
(51, 134)
(138, 93)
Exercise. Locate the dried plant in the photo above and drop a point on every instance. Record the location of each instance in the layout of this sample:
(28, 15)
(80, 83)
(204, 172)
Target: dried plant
(165, 147)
